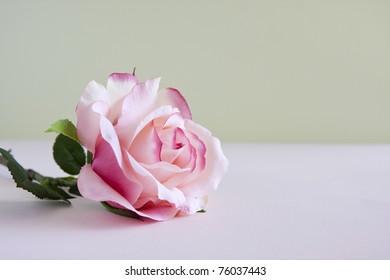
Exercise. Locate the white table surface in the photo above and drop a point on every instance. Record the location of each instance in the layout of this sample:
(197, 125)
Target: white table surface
(278, 201)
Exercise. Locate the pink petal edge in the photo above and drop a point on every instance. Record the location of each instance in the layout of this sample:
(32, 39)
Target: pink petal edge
(93, 187)
(173, 97)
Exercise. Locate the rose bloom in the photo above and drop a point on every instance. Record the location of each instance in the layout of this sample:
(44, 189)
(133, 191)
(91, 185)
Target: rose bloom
(148, 155)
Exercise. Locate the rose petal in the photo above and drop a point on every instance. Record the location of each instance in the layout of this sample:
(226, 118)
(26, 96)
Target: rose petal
(164, 171)
(170, 155)
(200, 149)
(109, 134)
(107, 166)
(146, 146)
(194, 204)
(135, 108)
(173, 97)
(153, 187)
(155, 116)
(175, 180)
(142, 200)
(93, 187)
(88, 122)
(174, 120)
(216, 164)
(168, 137)
(187, 154)
(120, 84)
(160, 213)
(92, 93)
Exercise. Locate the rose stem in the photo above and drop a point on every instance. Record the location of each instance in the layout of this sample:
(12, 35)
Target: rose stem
(34, 175)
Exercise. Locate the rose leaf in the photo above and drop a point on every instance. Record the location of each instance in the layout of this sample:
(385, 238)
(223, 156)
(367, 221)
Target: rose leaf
(20, 176)
(74, 190)
(68, 154)
(65, 127)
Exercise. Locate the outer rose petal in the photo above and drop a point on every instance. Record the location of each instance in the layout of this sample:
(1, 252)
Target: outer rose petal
(121, 84)
(88, 122)
(93, 187)
(108, 133)
(107, 166)
(92, 93)
(93, 102)
(194, 204)
(161, 213)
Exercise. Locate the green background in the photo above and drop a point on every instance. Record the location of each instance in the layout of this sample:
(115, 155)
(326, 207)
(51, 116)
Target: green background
(267, 71)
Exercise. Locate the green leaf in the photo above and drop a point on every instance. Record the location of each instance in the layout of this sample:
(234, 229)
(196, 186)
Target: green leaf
(74, 190)
(55, 192)
(65, 127)
(89, 157)
(68, 154)
(121, 212)
(202, 211)
(20, 176)
(18, 173)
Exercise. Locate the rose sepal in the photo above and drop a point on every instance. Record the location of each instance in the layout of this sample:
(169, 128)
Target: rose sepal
(121, 212)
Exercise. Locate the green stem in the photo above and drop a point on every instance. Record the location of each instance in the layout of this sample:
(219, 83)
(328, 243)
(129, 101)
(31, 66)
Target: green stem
(36, 176)
(61, 181)
(39, 185)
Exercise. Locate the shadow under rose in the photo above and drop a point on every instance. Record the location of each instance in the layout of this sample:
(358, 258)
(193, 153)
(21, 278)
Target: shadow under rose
(95, 216)
(58, 215)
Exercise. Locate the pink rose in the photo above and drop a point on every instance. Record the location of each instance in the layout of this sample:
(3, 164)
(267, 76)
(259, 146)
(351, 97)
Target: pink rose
(148, 155)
